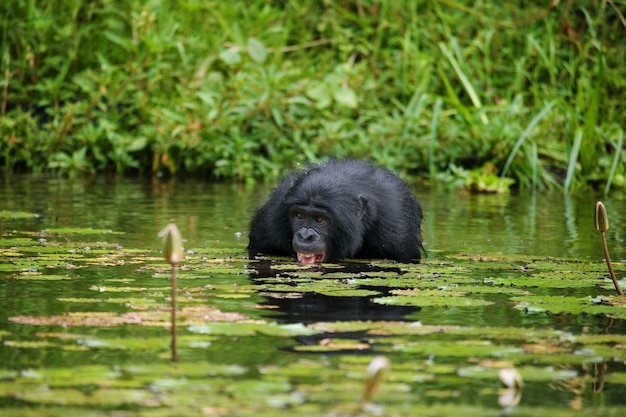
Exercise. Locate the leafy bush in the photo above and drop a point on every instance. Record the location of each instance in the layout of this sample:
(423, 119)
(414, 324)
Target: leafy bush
(451, 91)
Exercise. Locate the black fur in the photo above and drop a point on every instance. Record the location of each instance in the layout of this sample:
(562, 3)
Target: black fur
(345, 209)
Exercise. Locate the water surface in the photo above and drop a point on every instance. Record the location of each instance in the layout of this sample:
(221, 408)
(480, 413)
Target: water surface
(459, 229)
(538, 223)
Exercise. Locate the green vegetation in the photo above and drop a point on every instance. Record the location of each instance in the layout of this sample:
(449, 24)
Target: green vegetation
(85, 332)
(459, 92)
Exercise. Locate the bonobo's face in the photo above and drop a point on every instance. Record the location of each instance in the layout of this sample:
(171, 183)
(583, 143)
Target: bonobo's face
(310, 233)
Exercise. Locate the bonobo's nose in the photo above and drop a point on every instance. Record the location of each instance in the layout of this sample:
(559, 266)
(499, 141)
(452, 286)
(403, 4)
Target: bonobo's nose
(306, 234)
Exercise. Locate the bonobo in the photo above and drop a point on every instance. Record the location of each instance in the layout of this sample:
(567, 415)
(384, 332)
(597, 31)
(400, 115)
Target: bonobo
(339, 209)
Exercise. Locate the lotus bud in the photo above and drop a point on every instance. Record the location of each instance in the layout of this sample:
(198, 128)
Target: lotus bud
(376, 371)
(172, 244)
(602, 225)
(602, 218)
(511, 378)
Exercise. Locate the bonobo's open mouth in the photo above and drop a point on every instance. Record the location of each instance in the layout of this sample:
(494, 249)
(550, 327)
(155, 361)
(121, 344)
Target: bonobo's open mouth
(310, 258)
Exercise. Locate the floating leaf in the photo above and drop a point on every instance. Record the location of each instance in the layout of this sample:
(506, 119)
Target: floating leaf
(335, 345)
(7, 214)
(80, 231)
(250, 329)
(190, 315)
(422, 298)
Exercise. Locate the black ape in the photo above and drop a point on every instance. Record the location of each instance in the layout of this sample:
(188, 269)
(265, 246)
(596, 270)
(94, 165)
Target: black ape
(339, 209)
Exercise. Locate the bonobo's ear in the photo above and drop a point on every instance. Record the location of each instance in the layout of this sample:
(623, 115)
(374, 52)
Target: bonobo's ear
(362, 206)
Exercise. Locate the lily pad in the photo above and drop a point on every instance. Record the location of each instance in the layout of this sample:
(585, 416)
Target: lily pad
(250, 329)
(79, 231)
(421, 298)
(8, 214)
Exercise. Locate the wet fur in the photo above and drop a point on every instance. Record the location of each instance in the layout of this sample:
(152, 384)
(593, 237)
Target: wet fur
(373, 213)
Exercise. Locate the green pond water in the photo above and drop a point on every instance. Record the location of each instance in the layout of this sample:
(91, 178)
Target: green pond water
(511, 282)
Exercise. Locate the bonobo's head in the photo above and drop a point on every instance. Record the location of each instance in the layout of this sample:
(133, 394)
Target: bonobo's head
(311, 227)
(327, 219)
(326, 227)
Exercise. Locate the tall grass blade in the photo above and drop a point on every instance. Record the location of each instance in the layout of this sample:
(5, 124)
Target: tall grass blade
(523, 137)
(412, 113)
(432, 169)
(548, 63)
(534, 163)
(464, 80)
(616, 159)
(573, 158)
(454, 98)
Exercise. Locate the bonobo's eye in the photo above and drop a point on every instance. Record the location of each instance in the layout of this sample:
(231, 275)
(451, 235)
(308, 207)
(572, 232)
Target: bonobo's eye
(299, 216)
(320, 220)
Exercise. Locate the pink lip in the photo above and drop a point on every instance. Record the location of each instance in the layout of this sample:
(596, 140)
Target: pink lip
(310, 258)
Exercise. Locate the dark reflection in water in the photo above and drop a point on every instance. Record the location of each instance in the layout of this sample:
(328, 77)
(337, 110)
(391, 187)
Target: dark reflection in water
(312, 307)
(307, 307)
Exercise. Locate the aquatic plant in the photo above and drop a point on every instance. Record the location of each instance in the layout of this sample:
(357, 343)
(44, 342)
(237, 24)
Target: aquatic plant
(313, 364)
(375, 374)
(173, 253)
(512, 394)
(602, 225)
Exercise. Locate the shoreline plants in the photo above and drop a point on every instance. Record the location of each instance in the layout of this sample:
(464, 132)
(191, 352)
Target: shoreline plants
(481, 95)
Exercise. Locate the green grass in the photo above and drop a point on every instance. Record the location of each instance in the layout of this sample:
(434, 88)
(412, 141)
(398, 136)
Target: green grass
(441, 90)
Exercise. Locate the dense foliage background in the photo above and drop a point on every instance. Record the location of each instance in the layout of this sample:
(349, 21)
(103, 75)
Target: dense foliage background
(454, 91)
